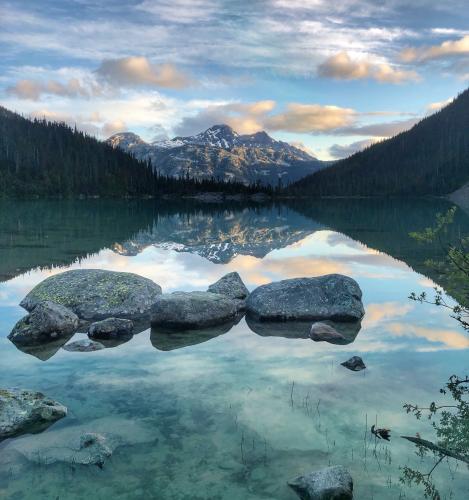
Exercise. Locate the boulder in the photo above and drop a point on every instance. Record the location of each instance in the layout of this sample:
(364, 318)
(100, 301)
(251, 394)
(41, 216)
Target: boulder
(111, 328)
(331, 483)
(192, 310)
(94, 294)
(230, 285)
(27, 412)
(84, 345)
(355, 364)
(45, 323)
(324, 332)
(330, 297)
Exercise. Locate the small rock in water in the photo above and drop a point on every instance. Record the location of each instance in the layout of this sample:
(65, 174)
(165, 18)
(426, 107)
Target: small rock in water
(27, 412)
(331, 483)
(355, 364)
(47, 322)
(84, 345)
(111, 328)
(324, 332)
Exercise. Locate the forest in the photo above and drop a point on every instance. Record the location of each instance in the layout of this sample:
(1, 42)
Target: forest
(432, 158)
(40, 158)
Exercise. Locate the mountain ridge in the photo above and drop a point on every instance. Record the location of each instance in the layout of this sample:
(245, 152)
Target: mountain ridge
(220, 152)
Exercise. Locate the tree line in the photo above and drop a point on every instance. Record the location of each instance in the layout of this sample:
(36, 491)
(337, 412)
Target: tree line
(50, 159)
(432, 158)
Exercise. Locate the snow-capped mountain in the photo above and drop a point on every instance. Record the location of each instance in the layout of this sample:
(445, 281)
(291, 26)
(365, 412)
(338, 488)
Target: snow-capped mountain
(220, 152)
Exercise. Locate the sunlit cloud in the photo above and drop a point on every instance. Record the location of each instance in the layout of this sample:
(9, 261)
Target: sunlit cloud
(35, 89)
(443, 50)
(135, 71)
(436, 106)
(342, 67)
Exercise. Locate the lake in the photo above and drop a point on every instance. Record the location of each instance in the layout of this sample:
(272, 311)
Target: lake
(234, 414)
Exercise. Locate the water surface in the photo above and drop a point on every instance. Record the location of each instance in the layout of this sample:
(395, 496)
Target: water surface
(234, 414)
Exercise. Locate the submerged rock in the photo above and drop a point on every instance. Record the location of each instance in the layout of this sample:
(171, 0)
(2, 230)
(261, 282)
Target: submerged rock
(27, 412)
(331, 483)
(232, 286)
(333, 296)
(94, 294)
(323, 332)
(46, 322)
(192, 310)
(111, 328)
(90, 443)
(84, 345)
(355, 364)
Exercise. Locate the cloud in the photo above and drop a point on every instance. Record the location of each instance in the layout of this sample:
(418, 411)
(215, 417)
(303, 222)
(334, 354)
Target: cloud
(92, 124)
(34, 89)
(308, 118)
(253, 117)
(445, 49)
(136, 71)
(383, 129)
(436, 106)
(180, 11)
(245, 118)
(342, 67)
(339, 151)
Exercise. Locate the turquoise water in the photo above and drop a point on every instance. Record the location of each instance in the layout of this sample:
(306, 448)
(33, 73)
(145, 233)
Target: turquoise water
(232, 415)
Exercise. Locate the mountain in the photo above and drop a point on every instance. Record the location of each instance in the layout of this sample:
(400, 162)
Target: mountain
(221, 153)
(41, 158)
(432, 158)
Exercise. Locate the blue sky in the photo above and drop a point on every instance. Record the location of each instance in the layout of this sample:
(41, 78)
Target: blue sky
(333, 76)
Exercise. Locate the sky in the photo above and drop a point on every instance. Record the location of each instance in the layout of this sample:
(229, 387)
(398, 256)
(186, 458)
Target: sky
(328, 76)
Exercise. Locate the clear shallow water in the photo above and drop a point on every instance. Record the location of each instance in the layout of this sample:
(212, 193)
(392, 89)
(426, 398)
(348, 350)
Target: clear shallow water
(235, 414)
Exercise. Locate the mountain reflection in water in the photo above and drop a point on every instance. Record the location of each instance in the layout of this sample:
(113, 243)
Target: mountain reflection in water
(236, 411)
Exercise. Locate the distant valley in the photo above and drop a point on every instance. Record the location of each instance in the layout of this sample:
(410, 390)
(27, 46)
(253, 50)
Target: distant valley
(223, 154)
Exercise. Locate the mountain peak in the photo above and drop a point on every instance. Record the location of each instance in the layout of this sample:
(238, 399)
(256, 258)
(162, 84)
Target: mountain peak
(124, 140)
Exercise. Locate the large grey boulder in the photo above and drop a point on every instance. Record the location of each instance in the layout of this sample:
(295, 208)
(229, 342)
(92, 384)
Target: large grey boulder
(47, 322)
(230, 285)
(192, 310)
(94, 294)
(111, 328)
(333, 296)
(331, 483)
(27, 412)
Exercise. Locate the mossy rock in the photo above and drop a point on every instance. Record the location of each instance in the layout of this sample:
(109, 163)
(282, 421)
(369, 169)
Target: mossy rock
(94, 294)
